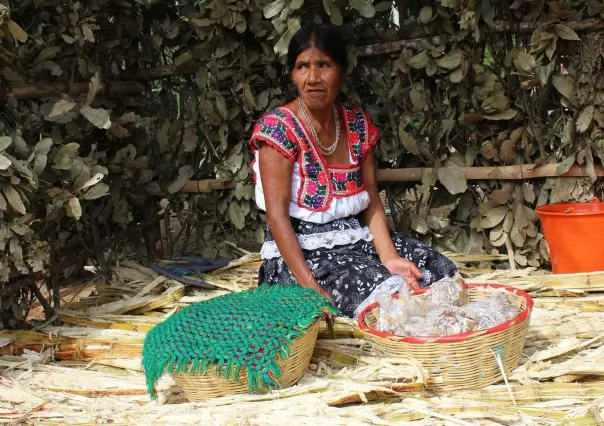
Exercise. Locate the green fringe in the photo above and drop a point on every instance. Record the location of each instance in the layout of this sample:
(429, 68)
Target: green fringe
(163, 351)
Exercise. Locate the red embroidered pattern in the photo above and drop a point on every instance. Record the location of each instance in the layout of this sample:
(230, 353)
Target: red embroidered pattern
(282, 130)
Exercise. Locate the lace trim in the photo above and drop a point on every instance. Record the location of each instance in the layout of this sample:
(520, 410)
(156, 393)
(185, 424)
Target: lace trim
(390, 286)
(326, 240)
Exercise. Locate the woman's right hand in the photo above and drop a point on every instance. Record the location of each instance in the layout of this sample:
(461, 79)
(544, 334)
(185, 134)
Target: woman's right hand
(315, 286)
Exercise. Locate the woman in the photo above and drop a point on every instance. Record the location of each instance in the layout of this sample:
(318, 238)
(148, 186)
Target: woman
(315, 172)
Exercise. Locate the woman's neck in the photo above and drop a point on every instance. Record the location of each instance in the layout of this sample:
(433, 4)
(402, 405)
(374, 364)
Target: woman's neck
(323, 118)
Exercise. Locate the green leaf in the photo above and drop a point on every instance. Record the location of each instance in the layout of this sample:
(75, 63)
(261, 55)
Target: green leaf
(14, 198)
(74, 209)
(564, 85)
(43, 147)
(383, 6)
(365, 10)
(16, 31)
(69, 150)
(585, 118)
(5, 163)
(508, 114)
(40, 163)
(93, 88)
(336, 15)
(565, 165)
(293, 25)
(565, 32)
(236, 215)
(92, 181)
(457, 75)
(494, 217)
(96, 191)
(296, 4)
(426, 14)
(495, 103)
(452, 178)
(488, 12)
(97, 116)
(5, 142)
(407, 140)
(419, 61)
(525, 62)
(273, 9)
(185, 173)
(451, 61)
(500, 196)
(61, 107)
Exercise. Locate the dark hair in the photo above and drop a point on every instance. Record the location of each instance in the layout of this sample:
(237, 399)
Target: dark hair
(322, 36)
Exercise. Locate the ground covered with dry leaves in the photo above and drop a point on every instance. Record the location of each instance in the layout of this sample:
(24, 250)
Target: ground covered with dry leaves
(88, 370)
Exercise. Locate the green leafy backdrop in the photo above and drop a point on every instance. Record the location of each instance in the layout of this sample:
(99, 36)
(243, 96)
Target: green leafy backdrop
(111, 106)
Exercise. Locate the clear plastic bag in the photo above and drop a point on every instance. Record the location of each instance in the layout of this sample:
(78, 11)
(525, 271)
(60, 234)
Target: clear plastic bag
(484, 315)
(392, 314)
(447, 321)
(416, 326)
(445, 292)
(503, 302)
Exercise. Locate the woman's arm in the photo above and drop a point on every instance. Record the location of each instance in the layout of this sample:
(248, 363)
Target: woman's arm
(276, 174)
(376, 220)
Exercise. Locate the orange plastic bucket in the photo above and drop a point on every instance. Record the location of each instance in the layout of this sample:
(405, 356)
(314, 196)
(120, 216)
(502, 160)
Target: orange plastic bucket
(574, 233)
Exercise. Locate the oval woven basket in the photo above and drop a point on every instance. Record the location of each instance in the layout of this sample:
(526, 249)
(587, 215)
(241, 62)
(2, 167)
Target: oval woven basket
(462, 361)
(203, 387)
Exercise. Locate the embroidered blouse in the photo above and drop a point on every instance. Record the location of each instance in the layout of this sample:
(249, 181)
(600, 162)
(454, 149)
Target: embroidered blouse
(320, 192)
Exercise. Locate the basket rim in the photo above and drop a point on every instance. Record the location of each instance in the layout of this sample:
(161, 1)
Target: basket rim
(456, 337)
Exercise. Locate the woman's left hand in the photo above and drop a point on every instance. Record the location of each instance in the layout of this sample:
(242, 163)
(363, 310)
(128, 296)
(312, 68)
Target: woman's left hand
(406, 269)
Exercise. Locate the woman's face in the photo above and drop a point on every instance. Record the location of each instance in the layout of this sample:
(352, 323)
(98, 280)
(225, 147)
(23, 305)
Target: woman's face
(317, 77)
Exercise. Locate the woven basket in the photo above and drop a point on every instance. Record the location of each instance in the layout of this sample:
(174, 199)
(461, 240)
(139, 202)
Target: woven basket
(463, 361)
(201, 388)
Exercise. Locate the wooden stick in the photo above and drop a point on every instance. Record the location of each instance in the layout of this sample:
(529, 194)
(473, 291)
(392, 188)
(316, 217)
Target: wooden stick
(498, 27)
(416, 41)
(527, 171)
(32, 91)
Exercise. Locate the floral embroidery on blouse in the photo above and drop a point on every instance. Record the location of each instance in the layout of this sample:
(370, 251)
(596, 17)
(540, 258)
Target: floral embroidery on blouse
(347, 181)
(283, 131)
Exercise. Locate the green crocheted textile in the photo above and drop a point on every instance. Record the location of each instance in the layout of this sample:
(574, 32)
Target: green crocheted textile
(242, 330)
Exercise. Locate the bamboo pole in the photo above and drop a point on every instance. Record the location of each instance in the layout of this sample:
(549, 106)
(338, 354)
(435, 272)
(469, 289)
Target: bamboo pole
(519, 172)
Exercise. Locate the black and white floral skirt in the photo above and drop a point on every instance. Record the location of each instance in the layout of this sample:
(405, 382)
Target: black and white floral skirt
(343, 259)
